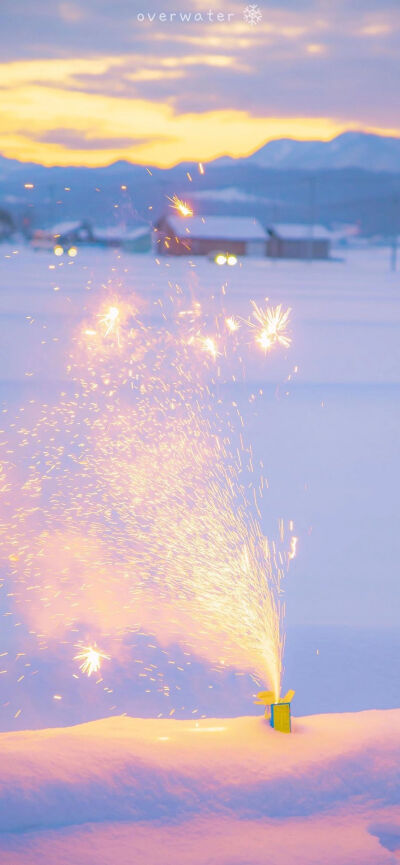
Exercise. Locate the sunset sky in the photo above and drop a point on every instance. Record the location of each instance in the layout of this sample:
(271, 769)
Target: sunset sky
(88, 82)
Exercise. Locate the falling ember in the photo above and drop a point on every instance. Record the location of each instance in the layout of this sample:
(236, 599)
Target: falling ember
(293, 548)
(91, 660)
(271, 326)
(180, 206)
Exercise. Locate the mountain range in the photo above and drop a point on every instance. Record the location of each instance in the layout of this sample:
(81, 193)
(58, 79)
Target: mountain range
(348, 150)
(355, 177)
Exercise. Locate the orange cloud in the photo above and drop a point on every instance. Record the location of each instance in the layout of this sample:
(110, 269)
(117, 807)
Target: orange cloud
(52, 113)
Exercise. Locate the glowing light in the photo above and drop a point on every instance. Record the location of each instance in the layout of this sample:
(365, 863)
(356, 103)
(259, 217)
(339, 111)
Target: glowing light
(29, 186)
(232, 324)
(231, 260)
(58, 250)
(293, 547)
(91, 660)
(220, 259)
(180, 206)
(110, 319)
(264, 340)
(72, 252)
(210, 347)
(207, 729)
(271, 326)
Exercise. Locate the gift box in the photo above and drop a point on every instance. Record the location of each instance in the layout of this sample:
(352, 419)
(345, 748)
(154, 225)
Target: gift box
(277, 711)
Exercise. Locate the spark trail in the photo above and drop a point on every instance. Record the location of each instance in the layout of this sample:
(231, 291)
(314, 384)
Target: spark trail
(131, 511)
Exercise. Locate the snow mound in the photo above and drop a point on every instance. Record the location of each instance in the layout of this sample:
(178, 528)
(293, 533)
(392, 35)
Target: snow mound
(229, 791)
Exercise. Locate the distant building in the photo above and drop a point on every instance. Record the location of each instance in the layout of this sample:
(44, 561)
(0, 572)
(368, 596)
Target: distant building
(345, 234)
(63, 234)
(6, 225)
(292, 240)
(202, 235)
(128, 239)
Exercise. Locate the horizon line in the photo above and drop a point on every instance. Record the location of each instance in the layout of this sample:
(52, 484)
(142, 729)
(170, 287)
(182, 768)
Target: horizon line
(151, 166)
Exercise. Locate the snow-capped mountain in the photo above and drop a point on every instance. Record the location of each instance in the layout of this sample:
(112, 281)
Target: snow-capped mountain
(349, 150)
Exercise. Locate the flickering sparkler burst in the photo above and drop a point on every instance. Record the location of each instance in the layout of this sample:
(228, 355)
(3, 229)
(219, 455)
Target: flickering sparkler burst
(232, 324)
(209, 346)
(110, 320)
(180, 206)
(132, 512)
(91, 659)
(271, 325)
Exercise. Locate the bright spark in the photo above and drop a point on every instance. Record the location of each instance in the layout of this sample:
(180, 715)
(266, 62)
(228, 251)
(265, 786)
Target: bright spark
(232, 324)
(180, 206)
(210, 347)
(293, 548)
(109, 319)
(91, 660)
(271, 326)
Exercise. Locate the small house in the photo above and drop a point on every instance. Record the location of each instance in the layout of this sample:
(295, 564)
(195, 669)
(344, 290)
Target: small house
(203, 235)
(294, 240)
(63, 234)
(128, 239)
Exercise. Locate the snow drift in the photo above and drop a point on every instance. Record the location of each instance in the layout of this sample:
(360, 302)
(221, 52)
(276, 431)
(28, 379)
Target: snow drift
(229, 791)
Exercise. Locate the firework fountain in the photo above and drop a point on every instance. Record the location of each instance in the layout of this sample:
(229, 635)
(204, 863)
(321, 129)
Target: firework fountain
(131, 511)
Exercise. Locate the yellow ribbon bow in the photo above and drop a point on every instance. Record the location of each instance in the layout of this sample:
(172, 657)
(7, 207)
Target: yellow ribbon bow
(267, 698)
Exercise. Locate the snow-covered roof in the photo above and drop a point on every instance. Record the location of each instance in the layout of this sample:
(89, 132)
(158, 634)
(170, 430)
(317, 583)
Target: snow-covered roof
(66, 227)
(115, 232)
(217, 227)
(298, 231)
(229, 195)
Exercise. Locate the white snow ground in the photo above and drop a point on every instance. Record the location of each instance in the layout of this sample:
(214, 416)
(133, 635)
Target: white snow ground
(221, 792)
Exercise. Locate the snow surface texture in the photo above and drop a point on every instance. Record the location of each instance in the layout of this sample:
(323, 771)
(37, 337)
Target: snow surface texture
(212, 792)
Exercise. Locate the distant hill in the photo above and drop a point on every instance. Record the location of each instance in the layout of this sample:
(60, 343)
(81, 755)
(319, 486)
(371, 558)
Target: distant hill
(355, 178)
(349, 150)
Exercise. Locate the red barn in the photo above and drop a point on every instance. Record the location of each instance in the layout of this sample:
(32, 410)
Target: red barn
(203, 235)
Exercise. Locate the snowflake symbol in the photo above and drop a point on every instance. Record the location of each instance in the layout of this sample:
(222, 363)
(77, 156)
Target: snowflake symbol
(252, 14)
